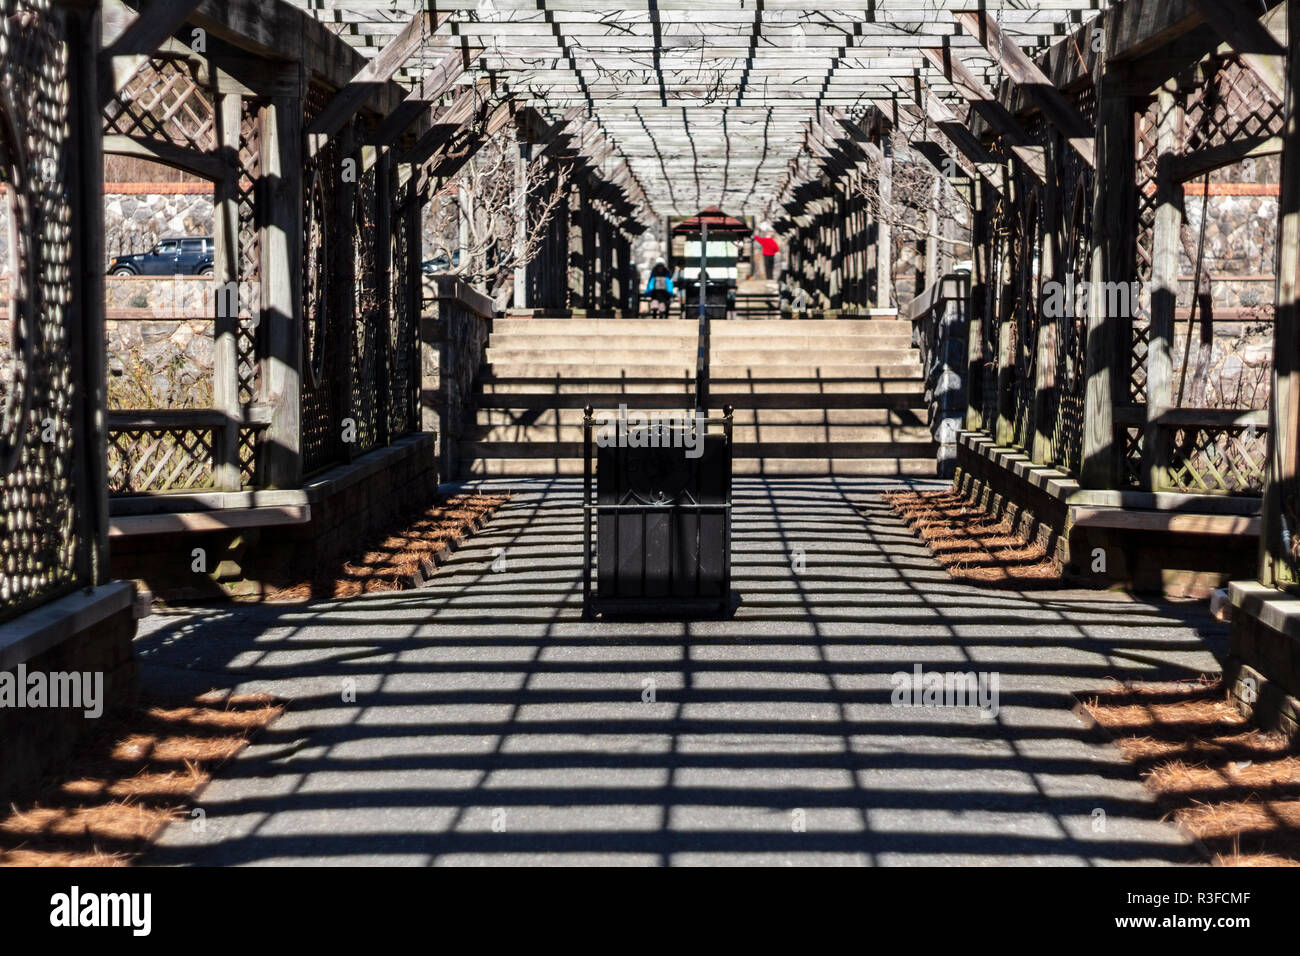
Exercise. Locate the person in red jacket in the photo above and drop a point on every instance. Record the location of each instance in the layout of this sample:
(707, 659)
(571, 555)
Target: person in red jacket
(767, 245)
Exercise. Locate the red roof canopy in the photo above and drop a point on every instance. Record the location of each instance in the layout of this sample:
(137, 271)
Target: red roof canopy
(717, 220)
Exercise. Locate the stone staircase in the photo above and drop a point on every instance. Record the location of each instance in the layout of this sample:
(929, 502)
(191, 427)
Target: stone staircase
(812, 397)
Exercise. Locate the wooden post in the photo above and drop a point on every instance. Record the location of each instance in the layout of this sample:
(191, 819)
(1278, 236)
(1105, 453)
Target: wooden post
(521, 224)
(1280, 504)
(1005, 306)
(413, 275)
(1049, 329)
(225, 359)
(86, 309)
(281, 171)
(383, 227)
(340, 325)
(977, 308)
(932, 235)
(1165, 249)
(1110, 259)
(884, 237)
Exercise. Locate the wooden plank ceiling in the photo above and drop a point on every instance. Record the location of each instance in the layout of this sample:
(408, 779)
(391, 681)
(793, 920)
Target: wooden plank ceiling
(707, 100)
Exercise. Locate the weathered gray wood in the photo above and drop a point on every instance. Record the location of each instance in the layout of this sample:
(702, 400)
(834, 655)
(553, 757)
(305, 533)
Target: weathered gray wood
(85, 310)
(1254, 45)
(208, 165)
(1111, 259)
(884, 240)
(1165, 248)
(130, 38)
(1051, 331)
(1023, 72)
(1190, 165)
(994, 113)
(376, 72)
(1279, 509)
(956, 133)
(281, 216)
(431, 86)
(225, 360)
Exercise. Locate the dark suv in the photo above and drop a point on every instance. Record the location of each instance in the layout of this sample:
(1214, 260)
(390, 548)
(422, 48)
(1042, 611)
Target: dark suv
(180, 256)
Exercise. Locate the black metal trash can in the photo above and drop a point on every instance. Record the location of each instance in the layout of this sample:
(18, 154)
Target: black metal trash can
(661, 506)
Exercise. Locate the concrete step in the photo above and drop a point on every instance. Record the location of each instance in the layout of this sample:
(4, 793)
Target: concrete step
(829, 343)
(767, 327)
(887, 395)
(765, 417)
(771, 467)
(594, 355)
(794, 378)
(741, 434)
(813, 357)
(518, 342)
(589, 327)
(794, 385)
(664, 368)
(796, 448)
(542, 389)
(598, 357)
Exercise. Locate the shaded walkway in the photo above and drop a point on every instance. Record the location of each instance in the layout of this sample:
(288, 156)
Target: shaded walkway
(492, 725)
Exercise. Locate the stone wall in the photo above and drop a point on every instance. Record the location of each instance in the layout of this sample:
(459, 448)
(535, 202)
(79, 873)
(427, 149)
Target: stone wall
(137, 215)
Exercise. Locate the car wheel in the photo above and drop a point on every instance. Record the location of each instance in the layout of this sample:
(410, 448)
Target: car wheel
(206, 271)
(123, 272)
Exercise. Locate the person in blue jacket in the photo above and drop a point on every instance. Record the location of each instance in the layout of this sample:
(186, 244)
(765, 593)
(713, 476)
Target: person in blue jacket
(660, 289)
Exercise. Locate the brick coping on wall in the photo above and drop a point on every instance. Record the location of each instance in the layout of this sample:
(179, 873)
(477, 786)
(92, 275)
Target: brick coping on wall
(49, 625)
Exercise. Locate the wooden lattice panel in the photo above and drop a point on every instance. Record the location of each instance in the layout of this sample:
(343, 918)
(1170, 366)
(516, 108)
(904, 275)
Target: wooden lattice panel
(1217, 460)
(404, 317)
(323, 348)
(160, 459)
(1130, 439)
(250, 250)
(367, 351)
(164, 100)
(1228, 106)
(44, 548)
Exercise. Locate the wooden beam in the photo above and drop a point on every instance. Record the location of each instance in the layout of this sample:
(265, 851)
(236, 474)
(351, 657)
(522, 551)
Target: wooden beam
(446, 122)
(225, 361)
(1250, 40)
(432, 85)
(208, 165)
(374, 74)
(130, 38)
(1023, 72)
(280, 208)
(956, 132)
(999, 118)
(1198, 163)
(1279, 507)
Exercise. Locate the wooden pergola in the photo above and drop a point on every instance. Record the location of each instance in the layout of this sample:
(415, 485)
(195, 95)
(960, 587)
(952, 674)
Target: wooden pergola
(1072, 127)
(708, 103)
